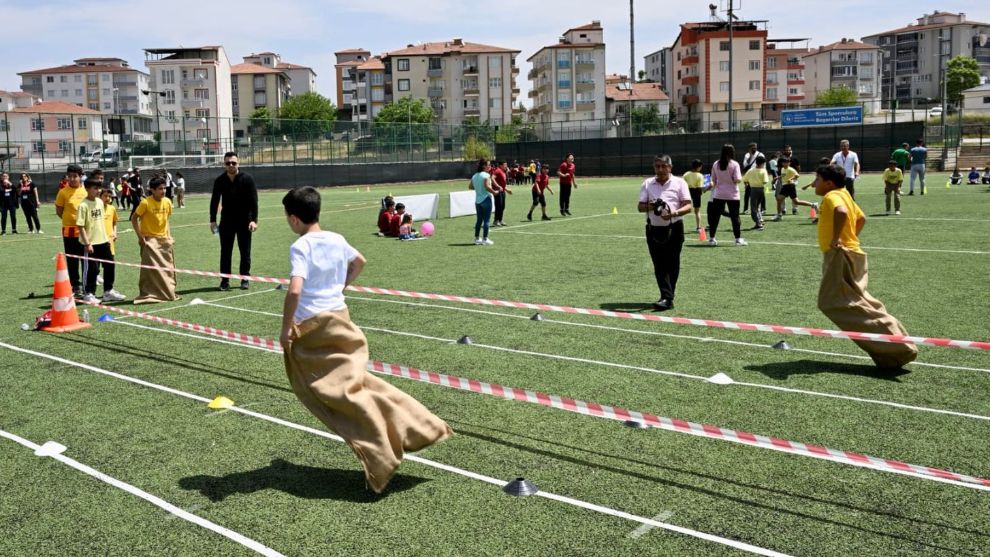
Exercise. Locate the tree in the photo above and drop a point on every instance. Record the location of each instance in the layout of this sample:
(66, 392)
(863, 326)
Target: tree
(306, 114)
(261, 120)
(837, 96)
(648, 120)
(406, 121)
(962, 72)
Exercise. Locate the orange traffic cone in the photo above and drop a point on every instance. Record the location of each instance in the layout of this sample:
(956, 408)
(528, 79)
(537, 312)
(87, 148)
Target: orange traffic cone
(64, 317)
(813, 214)
(702, 235)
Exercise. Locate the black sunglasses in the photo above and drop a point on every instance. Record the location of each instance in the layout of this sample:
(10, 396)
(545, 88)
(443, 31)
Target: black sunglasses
(231, 163)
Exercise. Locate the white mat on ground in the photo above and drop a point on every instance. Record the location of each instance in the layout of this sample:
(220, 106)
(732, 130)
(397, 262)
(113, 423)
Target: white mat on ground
(461, 203)
(422, 207)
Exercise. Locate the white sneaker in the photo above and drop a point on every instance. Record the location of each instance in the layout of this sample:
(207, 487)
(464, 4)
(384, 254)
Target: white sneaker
(40, 232)
(478, 242)
(113, 296)
(88, 299)
(897, 212)
(487, 242)
(99, 279)
(712, 242)
(741, 242)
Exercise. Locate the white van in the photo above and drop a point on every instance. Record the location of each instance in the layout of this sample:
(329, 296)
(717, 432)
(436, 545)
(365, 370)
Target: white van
(93, 156)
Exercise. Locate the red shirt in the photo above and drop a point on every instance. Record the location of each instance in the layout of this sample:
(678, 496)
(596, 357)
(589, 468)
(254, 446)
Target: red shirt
(567, 169)
(394, 224)
(542, 182)
(385, 221)
(498, 176)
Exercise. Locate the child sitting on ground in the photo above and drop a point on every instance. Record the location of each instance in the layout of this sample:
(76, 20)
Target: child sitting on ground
(406, 231)
(385, 216)
(986, 175)
(974, 175)
(326, 354)
(396, 222)
(956, 177)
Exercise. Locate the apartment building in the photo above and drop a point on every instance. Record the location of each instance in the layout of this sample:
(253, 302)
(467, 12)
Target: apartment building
(302, 79)
(38, 134)
(621, 98)
(845, 63)
(460, 79)
(568, 82)
(914, 56)
(701, 73)
(195, 98)
(106, 85)
(254, 86)
(346, 78)
(784, 84)
(658, 66)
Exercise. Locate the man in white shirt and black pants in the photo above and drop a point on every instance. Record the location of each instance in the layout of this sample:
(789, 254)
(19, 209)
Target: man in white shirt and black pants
(665, 199)
(849, 161)
(749, 159)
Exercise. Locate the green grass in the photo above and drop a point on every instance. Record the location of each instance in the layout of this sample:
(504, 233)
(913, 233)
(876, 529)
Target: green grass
(302, 494)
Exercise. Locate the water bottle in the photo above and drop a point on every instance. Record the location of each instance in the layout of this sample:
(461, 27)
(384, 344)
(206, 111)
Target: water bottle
(86, 315)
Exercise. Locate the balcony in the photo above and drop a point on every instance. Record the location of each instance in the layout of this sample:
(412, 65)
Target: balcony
(563, 64)
(866, 62)
(128, 111)
(532, 74)
(515, 70)
(690, 60)
(434, 92)
(533, 93)
(852, 62)
(582, 63)
(792, 66)
(471, 91)
(690, 80)
(564, 105)
(197, 82)
(545, 85)
(795, 98)
(689, 99)
(127, 98)
(472, 111)
(518, 110)
(434, 72)
(588, 104)
(564, 84)
(347, 85)
(124, 83)
(470, 70)
(194, 103)
(585, 85)
(515, 91)
(795, 81)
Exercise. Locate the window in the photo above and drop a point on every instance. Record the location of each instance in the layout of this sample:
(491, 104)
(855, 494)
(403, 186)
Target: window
(63, 79)
(94, 106)
(772, 77)
(723, 46)
(260, 98)
(38, 146)
(259, 82)
(78, 79)
(723, 66)
(723, 86)
(51, 93)
(771, 62)
(92, 79)
(268, 60)
(65, 92)
(495, 64)
(471, 83)
(201, 73)
(404, 83)
(378, 95)
(37, 124)
(986, 100)
(202, 112)
(563, 99)
(495, 82)
(793, 91)
(63, 123)
(169, 96)
(495, 102)
(754, 85)
(78, 92)
(754, 45)
(64, 146)
(106, 91)
(105, 77)
(168, 77)
(402, 64)
(201, 94)
(754, 65)
(3, 125)
(772, 94)
(377, 78)
(50, 79)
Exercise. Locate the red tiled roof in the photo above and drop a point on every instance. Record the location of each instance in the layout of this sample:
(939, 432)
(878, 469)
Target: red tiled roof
(249, 68)
(586, 27)
(839, 45)
(94, 59)
(15, 94)
(639, 92)
(372, 64)
(56, 107)
(73, 68)
(449, 47)
(288, 66)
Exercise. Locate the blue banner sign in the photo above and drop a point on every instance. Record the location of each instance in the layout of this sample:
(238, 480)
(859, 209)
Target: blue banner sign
(821, 116)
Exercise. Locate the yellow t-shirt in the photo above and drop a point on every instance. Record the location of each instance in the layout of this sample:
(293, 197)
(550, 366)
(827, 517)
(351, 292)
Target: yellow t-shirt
(110, 220)
(694, 179)
(154, 216)
(532, 168)
(789, 176)
(90, 217)
(894, 176)
(69, 199)
(757, 177)
(826, 214)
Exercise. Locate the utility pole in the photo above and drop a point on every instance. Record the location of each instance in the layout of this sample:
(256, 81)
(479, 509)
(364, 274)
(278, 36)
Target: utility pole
(731, 5)
(158, 122)
(632, 46)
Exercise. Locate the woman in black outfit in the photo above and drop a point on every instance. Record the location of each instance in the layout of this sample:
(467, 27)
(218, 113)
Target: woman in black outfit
(29, 204)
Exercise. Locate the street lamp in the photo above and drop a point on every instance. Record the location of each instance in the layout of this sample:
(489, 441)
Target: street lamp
(154, 95)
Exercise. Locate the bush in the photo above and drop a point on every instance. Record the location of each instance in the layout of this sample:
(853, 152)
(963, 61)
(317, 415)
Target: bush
(474, 149)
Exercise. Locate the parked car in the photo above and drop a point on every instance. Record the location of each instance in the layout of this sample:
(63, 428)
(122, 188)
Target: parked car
(93, 156)
(935, 112)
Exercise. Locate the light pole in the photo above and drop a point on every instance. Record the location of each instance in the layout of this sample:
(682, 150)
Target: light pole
(158, 124)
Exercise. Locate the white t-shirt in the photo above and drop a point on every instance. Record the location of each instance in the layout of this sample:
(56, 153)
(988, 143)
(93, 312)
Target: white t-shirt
(320, 259)
(847, 162)
(674, 193)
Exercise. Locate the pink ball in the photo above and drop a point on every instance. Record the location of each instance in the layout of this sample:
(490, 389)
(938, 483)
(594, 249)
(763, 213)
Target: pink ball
(427, 229)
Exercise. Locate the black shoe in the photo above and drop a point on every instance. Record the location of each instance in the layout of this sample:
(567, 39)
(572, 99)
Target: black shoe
(245, 285)
(224, 286)
(563, 213)
(14, 232)
(663, 305)
(545, 218)
(568, 212)
(529, 216)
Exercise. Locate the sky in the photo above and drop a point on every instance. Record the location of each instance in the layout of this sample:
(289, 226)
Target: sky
(308, 32)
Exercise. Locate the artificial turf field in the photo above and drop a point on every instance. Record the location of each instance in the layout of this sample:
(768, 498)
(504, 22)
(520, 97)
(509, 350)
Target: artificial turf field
(299, 493)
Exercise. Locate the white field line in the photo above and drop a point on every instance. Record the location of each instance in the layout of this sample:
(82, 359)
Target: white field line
(53, 450)
(652, 333)
(655, 371)
(418, 459)
(550, 222)
(752, 242)
(180, 306)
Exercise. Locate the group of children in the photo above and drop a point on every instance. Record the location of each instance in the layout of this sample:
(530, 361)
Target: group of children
(956, 177)
(394, 221)
(521, 173)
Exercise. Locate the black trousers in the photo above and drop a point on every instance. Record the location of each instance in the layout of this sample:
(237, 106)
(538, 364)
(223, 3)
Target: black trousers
(746, 195)
(13, 217)
(565, 197)
(31, 216)
(665, 250)
(715, 214)
(851, 187)
(73, 246)
(228, 233)
(499, 205)
(101, 251)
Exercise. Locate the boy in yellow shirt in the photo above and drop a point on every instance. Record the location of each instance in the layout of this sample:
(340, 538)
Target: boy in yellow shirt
(788, 188)
(90, 219)
(842, 296)
(757, 180)
(66, 207)
(696, 185)
(892, 180)
(150, 224)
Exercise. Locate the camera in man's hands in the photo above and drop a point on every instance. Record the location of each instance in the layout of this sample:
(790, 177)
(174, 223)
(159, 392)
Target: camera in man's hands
(658, 206)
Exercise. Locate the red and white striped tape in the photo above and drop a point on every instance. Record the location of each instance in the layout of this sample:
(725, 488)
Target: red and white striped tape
(606, 411)
(185, 271)
(710, 323)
